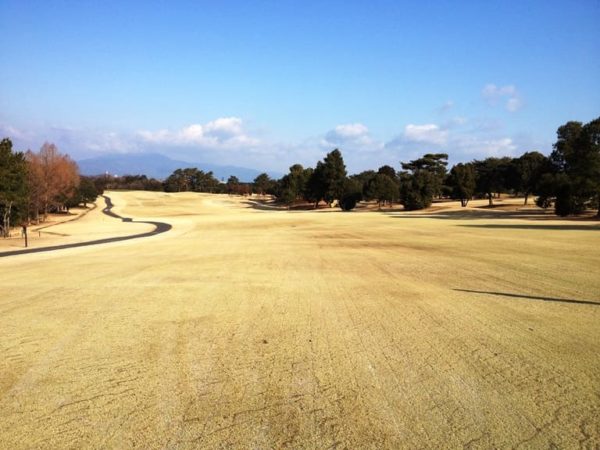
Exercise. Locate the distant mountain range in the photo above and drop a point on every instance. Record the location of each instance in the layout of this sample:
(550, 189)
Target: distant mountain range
(159, 166)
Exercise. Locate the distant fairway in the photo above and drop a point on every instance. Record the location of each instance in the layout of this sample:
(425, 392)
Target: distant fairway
(249, 327)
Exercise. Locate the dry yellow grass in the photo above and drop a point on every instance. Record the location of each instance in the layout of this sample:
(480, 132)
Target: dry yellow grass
(268, 329)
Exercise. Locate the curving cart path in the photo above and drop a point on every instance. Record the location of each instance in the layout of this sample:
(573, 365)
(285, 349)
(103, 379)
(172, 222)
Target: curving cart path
(160, 227)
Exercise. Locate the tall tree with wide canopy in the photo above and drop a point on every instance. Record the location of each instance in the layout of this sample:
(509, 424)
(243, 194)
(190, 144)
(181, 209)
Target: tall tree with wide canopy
(52, 177)
(435, 164)
(205, 182)
(180, 180)
(576, 154)
(389, 171)
(421, 180)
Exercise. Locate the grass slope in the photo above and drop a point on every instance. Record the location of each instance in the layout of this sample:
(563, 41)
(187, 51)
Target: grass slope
(266, 329)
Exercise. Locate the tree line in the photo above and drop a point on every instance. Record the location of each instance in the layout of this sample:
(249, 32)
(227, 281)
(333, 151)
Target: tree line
(35, 184)
(568, 180)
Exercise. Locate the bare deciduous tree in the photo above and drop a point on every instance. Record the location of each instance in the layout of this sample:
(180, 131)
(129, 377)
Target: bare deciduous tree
(53, 177)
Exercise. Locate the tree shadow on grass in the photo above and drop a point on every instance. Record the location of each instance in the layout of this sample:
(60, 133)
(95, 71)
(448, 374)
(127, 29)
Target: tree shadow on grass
(502, 226)
(531, 297)
(534, 215)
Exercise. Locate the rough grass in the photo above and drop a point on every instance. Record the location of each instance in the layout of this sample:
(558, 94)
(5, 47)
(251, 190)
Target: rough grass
(244, 327)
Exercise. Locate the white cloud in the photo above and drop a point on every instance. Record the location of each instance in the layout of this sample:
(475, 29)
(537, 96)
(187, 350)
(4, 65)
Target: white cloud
(351, 130)
(462, 139)
(227, 140)
(225, 127)
(221, 133)
(351, 136)
(492, 94)
(157, 137)
(101, 141)
(69, 139)
(481, 147)
(429, 134)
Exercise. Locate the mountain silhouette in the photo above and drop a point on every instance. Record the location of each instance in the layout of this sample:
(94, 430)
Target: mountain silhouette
(159, 166)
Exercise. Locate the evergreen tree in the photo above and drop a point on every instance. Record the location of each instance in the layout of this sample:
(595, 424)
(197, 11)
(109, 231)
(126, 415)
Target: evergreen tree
(352, 194)
(333, 176)
(421, 180)
(86, 192)
(530, 167)
(435, 164)
(576, 154)
(262, 184)
(326, 182)
(462, 182)
(416, 189)
(491, 176)
(13, 187)
(383, 189)
(293, 185)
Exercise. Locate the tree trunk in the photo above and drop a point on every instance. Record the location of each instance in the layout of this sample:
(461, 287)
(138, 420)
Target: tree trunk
(490, 199)
(526, 198)
(45, 210)
(6, 220)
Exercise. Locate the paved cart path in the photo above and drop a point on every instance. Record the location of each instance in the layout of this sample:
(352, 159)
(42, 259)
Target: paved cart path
(160, 227)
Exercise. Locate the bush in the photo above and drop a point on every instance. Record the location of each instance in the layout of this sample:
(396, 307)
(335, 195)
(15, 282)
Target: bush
(416, 190)
(348, 202)
(351, 194)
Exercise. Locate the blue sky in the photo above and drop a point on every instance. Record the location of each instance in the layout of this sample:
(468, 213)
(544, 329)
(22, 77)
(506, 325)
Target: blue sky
(268, 84)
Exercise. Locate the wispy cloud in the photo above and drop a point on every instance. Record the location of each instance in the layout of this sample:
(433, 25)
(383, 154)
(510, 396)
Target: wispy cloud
(350, 130)
(479, 147)
(508, 94)
(514, 104)
(445, 107)
(429, 133)
(354, 136)
(12, 133)
(228, 140)
(68, 139)
(462, 139)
